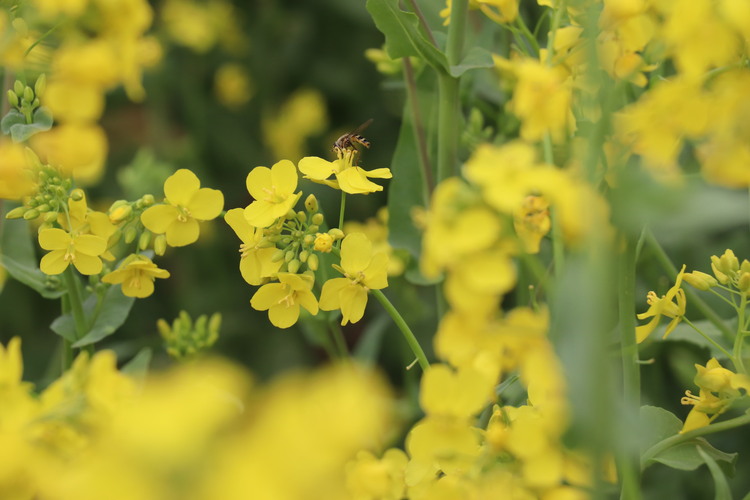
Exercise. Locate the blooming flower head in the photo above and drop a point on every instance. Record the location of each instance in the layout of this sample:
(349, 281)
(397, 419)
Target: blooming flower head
(362, 271)
(671, 305)
(81, 250)
(283, 300)
(349, 178)
(255, 260)
(187, 203)
(273, 190)
(136, 274)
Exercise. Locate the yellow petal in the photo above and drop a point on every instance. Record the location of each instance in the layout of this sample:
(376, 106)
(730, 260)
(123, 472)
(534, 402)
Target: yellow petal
(316, 168)
(159, 217)
(329, 295)
(376, 274)
(206, 204)
(89, 244)
(257, 181)
(236, 220)
(139, 288)
(307, 300)
(267, 296)
(353, 300)
(378, 173)
(54, 262)
(54, 239)
(180, 233)
(180, 187)
(261, 213)
(284, 177)
(284, 316)
(353, 181)
(356, 252)
(87, 264)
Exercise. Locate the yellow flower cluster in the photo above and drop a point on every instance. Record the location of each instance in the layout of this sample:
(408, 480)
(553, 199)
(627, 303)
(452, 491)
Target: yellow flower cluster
(201, 430)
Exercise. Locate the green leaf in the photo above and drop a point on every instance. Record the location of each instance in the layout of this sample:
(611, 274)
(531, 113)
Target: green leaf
(723, 492)
(477, 57)
(18, 257)
(403, 37)
(138, 366)
(14, 123)
(112, 314)
(65, 326)
(657, 424)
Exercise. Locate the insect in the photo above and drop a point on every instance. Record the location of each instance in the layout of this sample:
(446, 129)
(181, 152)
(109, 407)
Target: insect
(348, 142)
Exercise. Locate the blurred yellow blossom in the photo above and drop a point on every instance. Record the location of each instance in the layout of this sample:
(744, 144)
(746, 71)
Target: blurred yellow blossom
(15, 175)
(232, 85)
(80, 150)
(302, 115)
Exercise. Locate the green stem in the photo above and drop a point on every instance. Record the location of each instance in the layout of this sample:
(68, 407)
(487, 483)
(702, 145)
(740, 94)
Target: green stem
(405, 330)
(672, 441)
(67, 350)
(419, 136)
(739, 339)
(558, 245)
(528, 34)
(76, 302)
(692, 297)
(448, 95)
(341, 210)
(709, 339)
(339, 341)
(556, 20)
(628, 465)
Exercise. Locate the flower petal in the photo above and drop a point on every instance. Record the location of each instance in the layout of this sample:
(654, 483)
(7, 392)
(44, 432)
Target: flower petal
(258, 181)
(376, 274)
(267, 296)
(54, 239)
(181, 233)
(284, 316)
(250, 269)
(356, 252)
(139, 288)
(159, 217)
(353, 300)
(329, 295)
(54, 263)
(206, 204)
(307, 300)
(353, 181)
(87, 264)
(378, 173)
(316, 168)
(180, 187)
(89, 244)
(284, 177)
(236, 220)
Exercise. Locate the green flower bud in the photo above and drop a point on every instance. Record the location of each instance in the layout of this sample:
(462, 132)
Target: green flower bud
(301, 216)
(288, 256)
(18, 86)
(311, 203)
(130, 234)
(308, 240)
(160, 244)
(293, 265)
(12, 98)
(278, 256)
(148, 200)
(41, 85)
(33, 202)
(77, 194)
(699, 280)
(743, 284)
(28, 94)
(31, 214)
(144, 240)
(336, 233)
(214, 324)
(291, 214)
(312, 262)
(313, 228)
(43, 208)
(318, 219)
(120, 213)
(303, 255)
(36, 103)
(50, 216)
(164, 329)
(16, 213)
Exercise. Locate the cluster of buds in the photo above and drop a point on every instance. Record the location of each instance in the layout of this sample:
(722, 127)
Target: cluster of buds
(727, 271)
(297, 237)
(186, 338)
(26, 99)
(50, 196)
(127, 215)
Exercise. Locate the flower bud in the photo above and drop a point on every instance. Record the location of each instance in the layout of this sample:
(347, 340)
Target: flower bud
(301, 216)
(130, 234)
(41, 85)
(50, 216)
(699, 280)
(43, 208)
(317, 219)
(12, 98)
(144, 240)
(278, 256)
(147, 200)
(311, 203)
(308, 240)
(312, 262)
(290, 214)
(743, 284)
(313, 228)
(336, 233)
(120, 213)
(293, 266)
(31, 214)
(303, 255)
(288, 256)
(77, 194)
(16, 213)
(18, 86)
(28, 94)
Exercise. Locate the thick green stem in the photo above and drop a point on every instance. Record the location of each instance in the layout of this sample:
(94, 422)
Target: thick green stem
(75, 299)
(341, 210)
(448, 86)
(669, 442)
(628, 463)
(419, 136)
(405, 330)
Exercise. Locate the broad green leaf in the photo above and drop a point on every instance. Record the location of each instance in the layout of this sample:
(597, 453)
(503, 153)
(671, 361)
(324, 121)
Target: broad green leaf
(18, 257)
(138, 366)
(723, 492)
(65, 325)
(403, 37)
(477, 57)
(14, 123)
(657, 424)
(368, 347)
(112, 313)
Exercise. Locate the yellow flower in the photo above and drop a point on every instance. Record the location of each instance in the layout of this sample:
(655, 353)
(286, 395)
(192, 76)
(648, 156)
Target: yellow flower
(349, 178)
(81, 250)
(302, 115)
(370, 478)
(79, 149)
(531, 221)
(255, 260)
(323, 242)
(663, 306)
(363, 271)
(187, 204)
(232, 85)
(273, 190)
(137, 274)
(14, 181)
(283, 300)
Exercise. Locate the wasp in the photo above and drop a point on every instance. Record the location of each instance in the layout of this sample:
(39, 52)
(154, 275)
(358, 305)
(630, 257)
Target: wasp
(349, 142)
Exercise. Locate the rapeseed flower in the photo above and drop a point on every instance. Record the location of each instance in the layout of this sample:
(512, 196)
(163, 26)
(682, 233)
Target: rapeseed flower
(718, 386)
(283, 300)
(671, 305)
(256, 261)
(349, 178)
(136, 274)
(15, 183)
(273, 190)
(187, 203)
(81, 250)
(363, 270)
